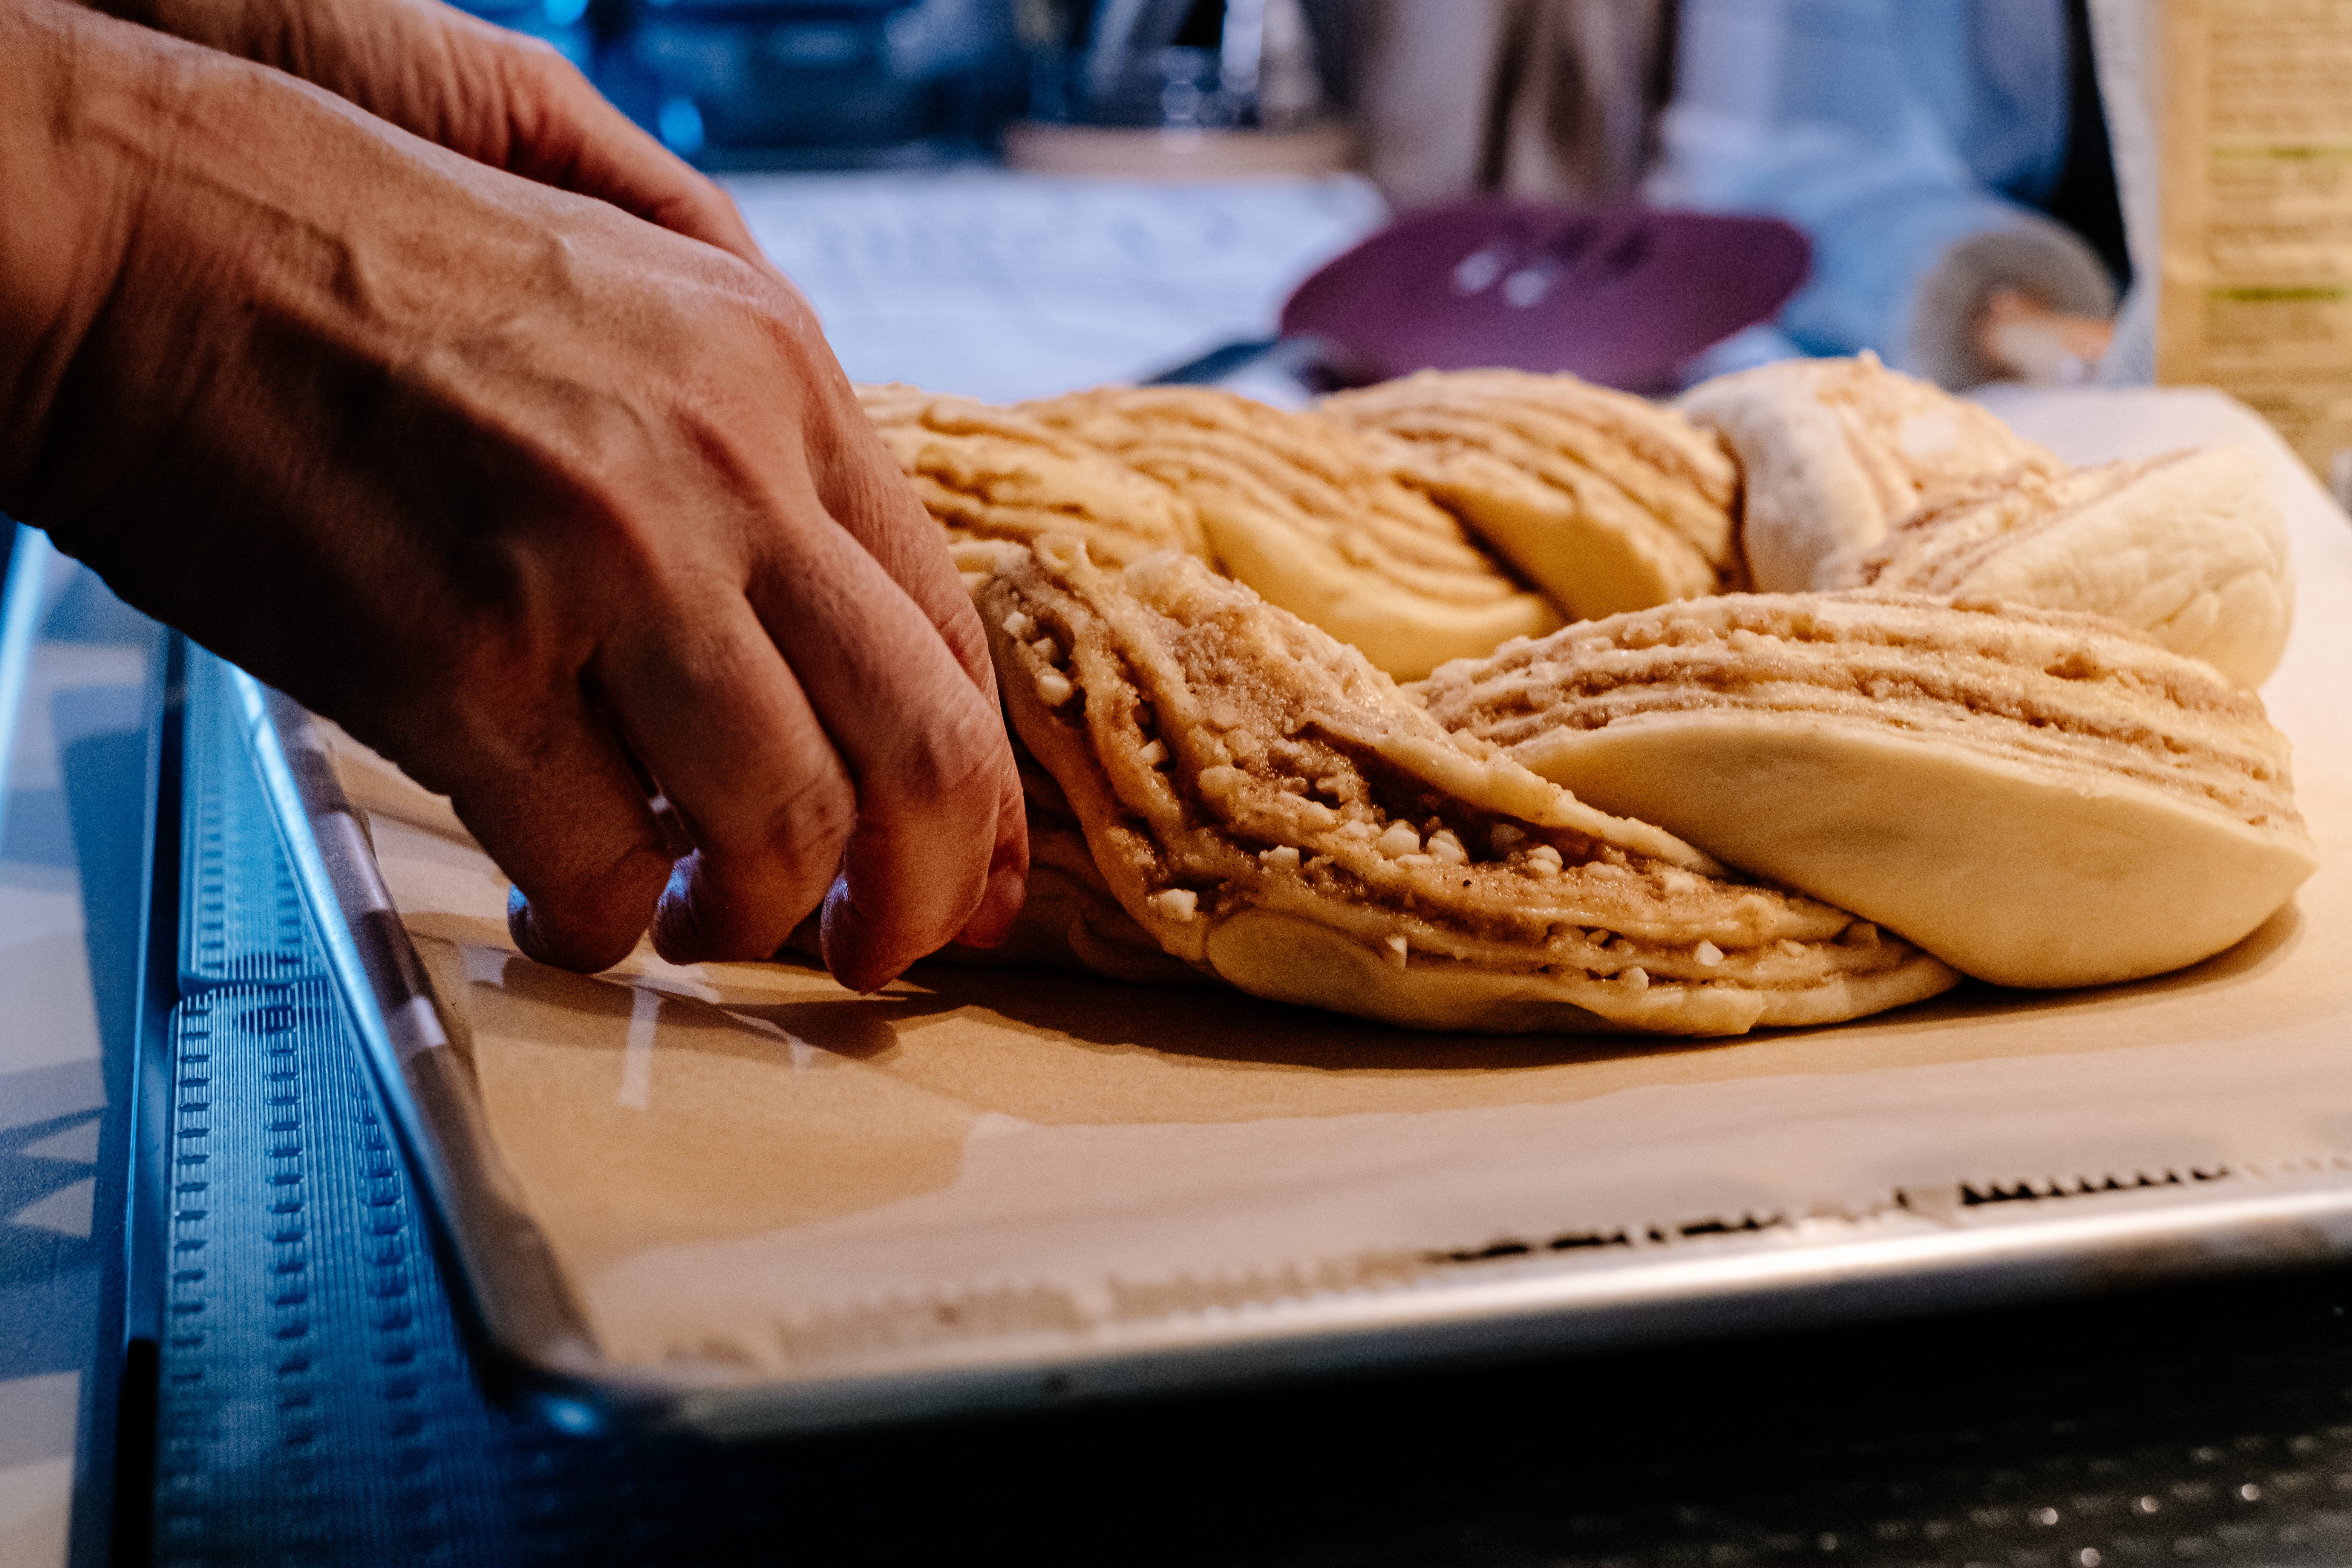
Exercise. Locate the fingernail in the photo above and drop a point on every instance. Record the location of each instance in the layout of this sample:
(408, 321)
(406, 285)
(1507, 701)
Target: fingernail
(677, 929)
(848, 939)
(523, 929)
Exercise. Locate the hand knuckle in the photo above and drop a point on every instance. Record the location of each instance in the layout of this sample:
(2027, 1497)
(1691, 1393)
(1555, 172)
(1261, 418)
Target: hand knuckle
(810, 824)
(953, 764)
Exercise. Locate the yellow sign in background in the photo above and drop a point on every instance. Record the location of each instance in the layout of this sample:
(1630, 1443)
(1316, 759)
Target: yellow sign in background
(2256, 202)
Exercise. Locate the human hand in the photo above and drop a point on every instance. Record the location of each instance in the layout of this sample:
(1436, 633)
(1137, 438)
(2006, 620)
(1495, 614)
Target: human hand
(482, 91)
(506, 481)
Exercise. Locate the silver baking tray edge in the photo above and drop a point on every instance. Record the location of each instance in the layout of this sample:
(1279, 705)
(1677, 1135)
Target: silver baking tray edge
(1918, 1252)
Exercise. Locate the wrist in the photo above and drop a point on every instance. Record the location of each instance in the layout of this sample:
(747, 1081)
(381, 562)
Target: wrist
(77, 96)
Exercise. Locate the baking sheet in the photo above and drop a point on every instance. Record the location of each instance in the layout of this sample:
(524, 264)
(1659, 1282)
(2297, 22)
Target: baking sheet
(751, 1180)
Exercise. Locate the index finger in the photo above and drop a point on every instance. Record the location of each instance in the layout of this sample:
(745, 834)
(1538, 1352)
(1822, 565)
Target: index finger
(941, 846)
(861, 486)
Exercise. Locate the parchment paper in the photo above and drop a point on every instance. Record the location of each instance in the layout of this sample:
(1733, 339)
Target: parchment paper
(748, 1167)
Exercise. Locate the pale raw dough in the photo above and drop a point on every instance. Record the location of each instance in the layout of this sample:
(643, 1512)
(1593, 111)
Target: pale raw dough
(1834, 452)
(2037, 798)
(1312, 516)
(988, 474)
(1274, 812)
(1606, 501)
(2188, 548)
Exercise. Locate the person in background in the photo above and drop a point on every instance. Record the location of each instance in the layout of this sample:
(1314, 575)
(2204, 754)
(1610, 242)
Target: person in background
(1948, 158)
(1549, 99)
(365, 343)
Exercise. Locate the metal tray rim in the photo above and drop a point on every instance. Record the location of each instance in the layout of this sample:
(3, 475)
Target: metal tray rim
(536, 1341)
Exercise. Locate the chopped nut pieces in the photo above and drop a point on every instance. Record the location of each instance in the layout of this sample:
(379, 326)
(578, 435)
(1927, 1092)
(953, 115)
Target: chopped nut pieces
(1556, 917)
(2037, 798)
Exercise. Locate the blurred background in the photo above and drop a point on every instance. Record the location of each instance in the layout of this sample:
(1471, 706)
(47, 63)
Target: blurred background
(847, 84)
(1012, 198)
(1005, 197)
